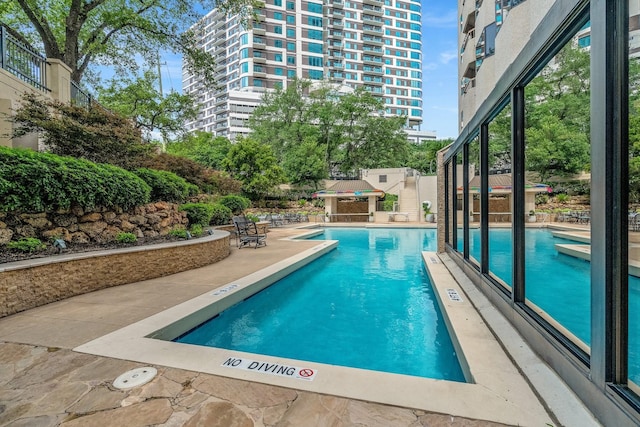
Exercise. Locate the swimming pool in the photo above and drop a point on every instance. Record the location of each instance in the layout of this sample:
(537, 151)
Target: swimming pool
(367, 304)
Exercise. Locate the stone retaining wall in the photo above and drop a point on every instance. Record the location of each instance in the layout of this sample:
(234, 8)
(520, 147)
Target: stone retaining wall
(99, 225)
(28, 284)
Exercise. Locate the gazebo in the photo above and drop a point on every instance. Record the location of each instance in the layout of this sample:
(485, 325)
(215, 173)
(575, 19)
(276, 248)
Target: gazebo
(349, 200)
(500, 189)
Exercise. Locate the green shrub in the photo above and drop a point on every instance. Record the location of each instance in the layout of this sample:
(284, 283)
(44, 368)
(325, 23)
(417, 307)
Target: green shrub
(27, 244)
(39, 182)
(166, 186)
(389, 200)
(126, 238)
(179, 232)
(196, 230)
(221, 215)
(562, 198)
(236, 203)
(198, 213)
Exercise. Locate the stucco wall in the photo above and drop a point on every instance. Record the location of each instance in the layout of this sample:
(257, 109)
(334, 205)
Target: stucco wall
(25, 285)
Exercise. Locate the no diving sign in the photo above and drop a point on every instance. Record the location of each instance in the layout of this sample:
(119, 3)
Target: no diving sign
(280, 370)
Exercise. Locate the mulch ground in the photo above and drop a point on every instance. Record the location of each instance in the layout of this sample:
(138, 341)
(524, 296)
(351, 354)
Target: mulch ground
(11, 255)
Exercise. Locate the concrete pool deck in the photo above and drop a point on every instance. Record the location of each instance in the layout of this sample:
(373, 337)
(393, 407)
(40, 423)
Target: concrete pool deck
(44, 382)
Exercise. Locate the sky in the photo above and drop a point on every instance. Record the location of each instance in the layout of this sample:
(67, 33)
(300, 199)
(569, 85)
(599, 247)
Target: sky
(439, 68)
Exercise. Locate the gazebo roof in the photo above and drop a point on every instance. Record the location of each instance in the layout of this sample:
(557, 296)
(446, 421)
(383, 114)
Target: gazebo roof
(502, 183)
(350, 188)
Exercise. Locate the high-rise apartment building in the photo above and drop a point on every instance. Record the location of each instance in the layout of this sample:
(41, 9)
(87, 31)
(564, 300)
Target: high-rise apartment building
(375, 44)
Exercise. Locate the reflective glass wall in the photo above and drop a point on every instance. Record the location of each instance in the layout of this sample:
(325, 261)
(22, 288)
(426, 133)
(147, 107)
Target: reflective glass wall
(557, 161)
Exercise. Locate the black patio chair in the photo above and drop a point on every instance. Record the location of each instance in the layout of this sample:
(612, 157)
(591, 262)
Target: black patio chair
(248, 234)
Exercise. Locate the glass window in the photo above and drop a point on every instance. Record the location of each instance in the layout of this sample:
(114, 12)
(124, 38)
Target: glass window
(277, 15)
(315, 74)
(314, 21)
(291, 46)
(557, 144)
(500, 199)
(291, 19)
(244, 53)
(634, 204)
(291, 5)
(474, 202)
(291, 32)
(277, 43)
(277, 2)
(244, 39)
(315, 34)
(291, 60)
(258, 82)
(244, 67)
(277, 29)
(315, 7)
(277, 57)
(315, 61)
(460, 202)
(277, 71)
(315, 47)
(291, 73)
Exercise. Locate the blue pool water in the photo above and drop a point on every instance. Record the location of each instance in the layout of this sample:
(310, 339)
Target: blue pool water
(559, 284)
(367, 304)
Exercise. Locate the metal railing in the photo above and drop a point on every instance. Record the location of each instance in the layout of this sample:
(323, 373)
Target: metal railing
(22, 61)
(80, 97)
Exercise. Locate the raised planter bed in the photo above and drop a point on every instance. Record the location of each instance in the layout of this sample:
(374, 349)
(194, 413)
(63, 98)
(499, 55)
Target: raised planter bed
(32, 283)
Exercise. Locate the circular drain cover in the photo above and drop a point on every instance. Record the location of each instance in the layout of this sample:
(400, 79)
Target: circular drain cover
(135, 377)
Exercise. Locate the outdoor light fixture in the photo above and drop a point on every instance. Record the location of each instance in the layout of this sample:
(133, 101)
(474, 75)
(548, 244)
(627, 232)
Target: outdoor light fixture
(188, 235)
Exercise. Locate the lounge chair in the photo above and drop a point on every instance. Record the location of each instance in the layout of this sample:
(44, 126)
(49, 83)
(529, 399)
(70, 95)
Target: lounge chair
(247, 232)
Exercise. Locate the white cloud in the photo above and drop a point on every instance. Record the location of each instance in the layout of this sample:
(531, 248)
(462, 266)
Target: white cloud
(429, 66)
(448, 56)
(441, 20)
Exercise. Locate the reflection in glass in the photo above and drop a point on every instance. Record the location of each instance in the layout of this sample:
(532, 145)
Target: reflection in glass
(557, 154)
(474, 201)
(460, 201)
(500, 199)
(634, 197)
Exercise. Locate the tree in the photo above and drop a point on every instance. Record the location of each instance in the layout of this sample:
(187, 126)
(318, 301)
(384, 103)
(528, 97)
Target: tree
(305, 165)
(202, 147)
(255, 165)
(557, 110)
(348, 129)
(423, 157)
(114, 32)
(139, 100)
(92, 133)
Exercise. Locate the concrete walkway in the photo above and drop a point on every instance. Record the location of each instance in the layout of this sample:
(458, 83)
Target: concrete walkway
(44, 383)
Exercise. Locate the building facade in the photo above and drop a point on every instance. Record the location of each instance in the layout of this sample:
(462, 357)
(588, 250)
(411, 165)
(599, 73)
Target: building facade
(375, 44)
(515, 104)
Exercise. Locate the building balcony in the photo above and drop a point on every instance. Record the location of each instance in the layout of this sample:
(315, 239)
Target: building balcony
(259, 43)
(371, 59)
(372, 2)
(337, 4)
(371, 29)
(372, 70)
(372, 19)
(372, 80)
(259, 28)
(373, 40)
(259, 71)
(374, 10)
(259, 57)
(372, 49)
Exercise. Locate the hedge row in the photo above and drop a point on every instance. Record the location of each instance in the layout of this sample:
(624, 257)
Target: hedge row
(167, 186)
(31, 181)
